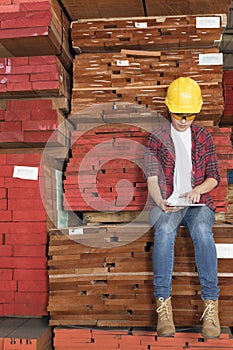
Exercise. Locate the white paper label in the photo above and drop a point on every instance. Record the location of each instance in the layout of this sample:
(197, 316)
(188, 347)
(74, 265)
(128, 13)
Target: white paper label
(26, 172)
(123, 63)
(208, 22)
(210, 59)
(224, 250)
(76, 231)
(141, 24)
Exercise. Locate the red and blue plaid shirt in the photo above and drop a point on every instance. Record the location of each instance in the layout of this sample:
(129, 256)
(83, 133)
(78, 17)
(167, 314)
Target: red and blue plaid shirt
(160, 159)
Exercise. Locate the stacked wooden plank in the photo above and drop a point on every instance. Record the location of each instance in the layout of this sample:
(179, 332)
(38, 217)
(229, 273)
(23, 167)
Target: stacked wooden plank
(221, 195)
(139, 77)
(228, 95)
(35, 76)
(34, 28)
(150, 33)
(23, 232)
(182, 46)
(116, 159)
(99, 9)
(31, 334)
(106, 170)
(143, 77)
(226, 48)
(186, 7)
(34, 122)
(111, 339)
(96, 280)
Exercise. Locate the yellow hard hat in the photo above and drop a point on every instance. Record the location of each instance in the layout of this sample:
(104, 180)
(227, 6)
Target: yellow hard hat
(184, 96)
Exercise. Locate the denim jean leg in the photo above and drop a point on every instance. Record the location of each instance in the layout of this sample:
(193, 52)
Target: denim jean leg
(165, 231)
(199, 221)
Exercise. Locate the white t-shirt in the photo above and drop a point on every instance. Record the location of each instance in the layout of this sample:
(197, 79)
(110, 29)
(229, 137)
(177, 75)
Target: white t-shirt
(183, 164)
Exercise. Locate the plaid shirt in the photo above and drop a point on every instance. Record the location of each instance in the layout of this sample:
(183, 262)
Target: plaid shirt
(160, 159)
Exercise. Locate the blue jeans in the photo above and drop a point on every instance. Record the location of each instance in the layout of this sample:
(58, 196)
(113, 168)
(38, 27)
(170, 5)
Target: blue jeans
(199, 222)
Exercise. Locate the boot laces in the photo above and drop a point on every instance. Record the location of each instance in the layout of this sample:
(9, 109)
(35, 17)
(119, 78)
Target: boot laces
(209, 313)
(163, 309)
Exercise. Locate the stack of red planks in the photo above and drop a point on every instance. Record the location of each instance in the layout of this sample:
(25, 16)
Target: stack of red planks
(25, 334)
(228, 97)
(136, 339)
(34, 28)
(23, 233)
(34, 122)
(34, 75)
(104, 162)
(106, 169)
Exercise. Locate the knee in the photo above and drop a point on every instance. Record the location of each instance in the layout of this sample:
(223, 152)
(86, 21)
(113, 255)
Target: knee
(203, 234)
(162, 237)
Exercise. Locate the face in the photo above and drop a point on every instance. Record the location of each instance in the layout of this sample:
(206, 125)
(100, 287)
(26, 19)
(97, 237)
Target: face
(182, 122)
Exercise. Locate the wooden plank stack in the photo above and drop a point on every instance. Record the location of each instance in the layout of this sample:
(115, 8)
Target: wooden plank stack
(111, 339)
(186, 7)
(106, 170)
(35, 69)
(34, 122)
(23, 233)
(101, 276)
(146, 55)
(107, 146)
(34, 75)
(143, 77)
(34, 28)
(150, 33)
(98, 8)
(25, 334)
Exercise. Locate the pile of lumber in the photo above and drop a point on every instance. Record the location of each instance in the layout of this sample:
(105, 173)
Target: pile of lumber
(106, 170)
(34, 28)
(142, 77)
(147, 53)
(111, 339)
(150, 33)
(102, 276)
(106, 160)
(34, 75)
(226, 48)
(228, 96)
(132, 61)
(34, 123)
(133, 8)
(35, 68)
(18, 333)
(23, 236)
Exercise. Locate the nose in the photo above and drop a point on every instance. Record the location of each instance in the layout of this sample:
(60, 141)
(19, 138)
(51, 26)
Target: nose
(183, 120)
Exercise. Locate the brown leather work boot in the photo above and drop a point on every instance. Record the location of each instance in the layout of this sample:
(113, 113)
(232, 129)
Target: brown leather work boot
(165, 324)
(210, 326)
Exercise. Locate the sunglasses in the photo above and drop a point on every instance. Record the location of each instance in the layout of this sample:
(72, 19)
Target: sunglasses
(181, 116)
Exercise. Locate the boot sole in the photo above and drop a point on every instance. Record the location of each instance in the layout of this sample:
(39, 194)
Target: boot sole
(166, 335)
(209, 337)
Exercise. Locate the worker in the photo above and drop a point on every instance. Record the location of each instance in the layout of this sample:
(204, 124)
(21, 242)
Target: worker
(181, 168)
